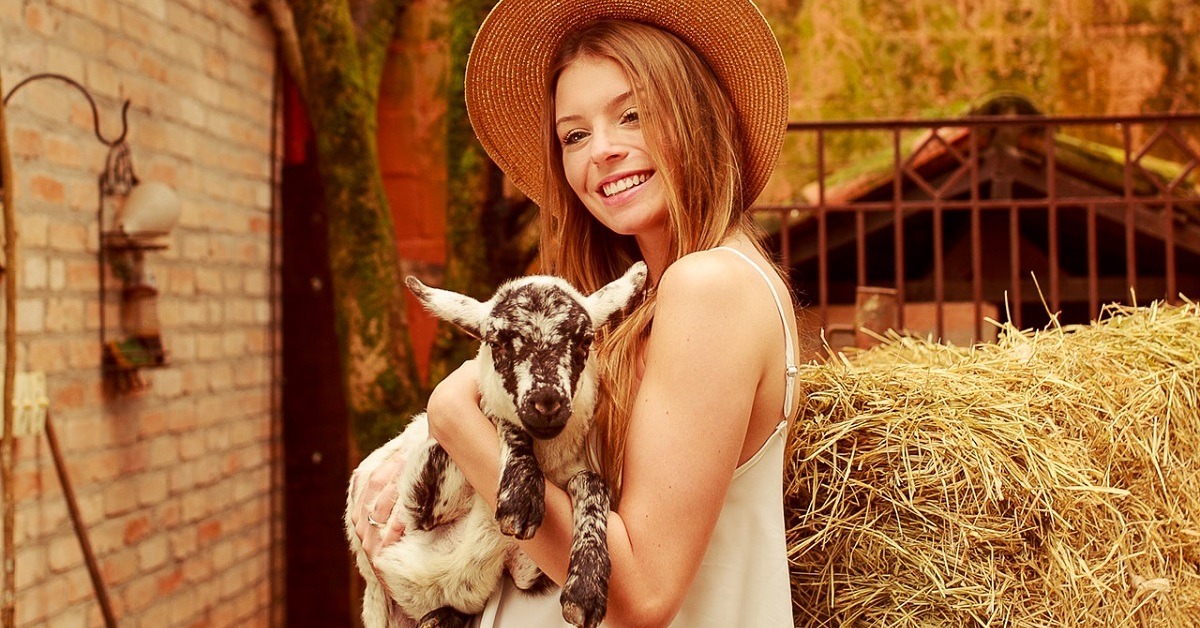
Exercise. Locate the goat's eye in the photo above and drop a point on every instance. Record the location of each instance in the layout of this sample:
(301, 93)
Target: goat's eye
(499, 349)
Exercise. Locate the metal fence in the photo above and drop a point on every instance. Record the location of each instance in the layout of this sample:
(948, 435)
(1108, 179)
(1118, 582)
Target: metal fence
(1022, 218)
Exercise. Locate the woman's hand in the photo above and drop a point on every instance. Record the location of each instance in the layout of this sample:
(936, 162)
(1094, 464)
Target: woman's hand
(373, 511)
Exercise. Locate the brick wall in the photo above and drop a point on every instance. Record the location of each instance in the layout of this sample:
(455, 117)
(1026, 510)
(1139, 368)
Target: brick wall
(174, 482)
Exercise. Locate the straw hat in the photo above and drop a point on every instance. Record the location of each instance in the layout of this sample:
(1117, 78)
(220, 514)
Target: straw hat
(507, 67)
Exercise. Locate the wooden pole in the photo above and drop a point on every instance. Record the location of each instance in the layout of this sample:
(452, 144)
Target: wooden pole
(8, 449)
(89, 556)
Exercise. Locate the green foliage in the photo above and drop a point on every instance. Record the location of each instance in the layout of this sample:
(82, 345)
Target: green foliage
(868, 59)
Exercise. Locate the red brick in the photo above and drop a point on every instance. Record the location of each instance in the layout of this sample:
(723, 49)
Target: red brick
(63, 152)
(169, 583)
(34, 602)
(27, 485)
(119, 567)
(120, 497)
(37, 20)
(25, 142)
(67, 396)
(153, 553)
(139, 594)
(70, 237)
(136, 529)
(152, 488)
(65, 553)
(208, 531)
(32, 565)
(44, 188)
(47, 355)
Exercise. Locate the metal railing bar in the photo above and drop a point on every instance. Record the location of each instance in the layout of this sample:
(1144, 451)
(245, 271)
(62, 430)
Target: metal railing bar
(982, 121)
(992, 204)
(1130, 229)
(1093, 255)
(1193, 162)
(1149, 144)
(822, 235)
(1052, 215)
(898, 225)
(1014, 264)
(939, 273)
(860, 248)
(1172, 295)
(976, 240)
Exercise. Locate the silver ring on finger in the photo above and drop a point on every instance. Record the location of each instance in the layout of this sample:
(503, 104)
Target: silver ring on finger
(371, 520)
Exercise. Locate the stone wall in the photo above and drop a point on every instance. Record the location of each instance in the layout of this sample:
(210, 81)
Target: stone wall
(174, 482)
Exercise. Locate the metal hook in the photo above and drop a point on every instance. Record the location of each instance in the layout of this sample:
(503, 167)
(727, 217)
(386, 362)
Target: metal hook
(91, 101)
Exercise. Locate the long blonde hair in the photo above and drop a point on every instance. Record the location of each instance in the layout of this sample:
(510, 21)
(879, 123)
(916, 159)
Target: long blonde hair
(692, 135)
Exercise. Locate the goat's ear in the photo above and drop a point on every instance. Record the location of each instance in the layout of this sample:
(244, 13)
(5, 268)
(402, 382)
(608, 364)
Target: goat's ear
(452, 307)
(615, 296)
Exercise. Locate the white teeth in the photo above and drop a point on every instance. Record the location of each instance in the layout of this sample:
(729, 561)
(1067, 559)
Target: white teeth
(616, 187)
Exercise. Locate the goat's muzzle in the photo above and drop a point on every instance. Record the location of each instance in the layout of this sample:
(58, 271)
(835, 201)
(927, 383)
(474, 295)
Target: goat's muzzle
(545, 413)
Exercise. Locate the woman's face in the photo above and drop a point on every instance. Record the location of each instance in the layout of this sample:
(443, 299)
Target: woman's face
(605, 157)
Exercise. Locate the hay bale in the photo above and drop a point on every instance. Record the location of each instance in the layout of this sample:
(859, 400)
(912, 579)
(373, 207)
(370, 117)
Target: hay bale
(1051, 479)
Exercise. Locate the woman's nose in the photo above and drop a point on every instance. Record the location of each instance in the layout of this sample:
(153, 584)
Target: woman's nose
(605, 147)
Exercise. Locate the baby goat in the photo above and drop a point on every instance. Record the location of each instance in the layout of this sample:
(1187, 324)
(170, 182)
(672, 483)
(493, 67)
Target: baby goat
(538, 386)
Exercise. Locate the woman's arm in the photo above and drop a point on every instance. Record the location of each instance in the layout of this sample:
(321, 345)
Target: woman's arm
(704, 361)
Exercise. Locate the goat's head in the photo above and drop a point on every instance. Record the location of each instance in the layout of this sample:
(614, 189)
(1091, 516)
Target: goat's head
(537, 333)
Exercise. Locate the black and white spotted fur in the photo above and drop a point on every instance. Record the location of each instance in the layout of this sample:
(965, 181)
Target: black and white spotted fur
(538, 385)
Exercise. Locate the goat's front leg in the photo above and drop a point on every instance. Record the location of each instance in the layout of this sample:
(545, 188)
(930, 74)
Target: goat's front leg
(521, 501)
(585, 593)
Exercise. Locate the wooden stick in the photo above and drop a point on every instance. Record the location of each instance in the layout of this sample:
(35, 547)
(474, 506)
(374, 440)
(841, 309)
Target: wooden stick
(89, 556)
(8, 448)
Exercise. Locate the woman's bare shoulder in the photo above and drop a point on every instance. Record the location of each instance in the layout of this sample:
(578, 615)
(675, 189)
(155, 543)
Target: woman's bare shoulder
(720, 289)
(704, 274)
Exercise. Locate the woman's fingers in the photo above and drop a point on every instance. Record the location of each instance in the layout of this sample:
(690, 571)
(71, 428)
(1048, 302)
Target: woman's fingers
(381, 510)
(375, 516)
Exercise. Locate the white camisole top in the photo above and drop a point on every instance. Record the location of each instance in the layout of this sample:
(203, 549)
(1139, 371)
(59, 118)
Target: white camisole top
(743, 579)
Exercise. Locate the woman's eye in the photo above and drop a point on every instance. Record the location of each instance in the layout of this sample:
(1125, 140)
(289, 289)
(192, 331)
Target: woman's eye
(573, 137)
(630, 117)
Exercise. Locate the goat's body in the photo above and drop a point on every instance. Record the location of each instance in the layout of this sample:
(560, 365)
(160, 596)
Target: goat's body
(460, 562)
(539, 389)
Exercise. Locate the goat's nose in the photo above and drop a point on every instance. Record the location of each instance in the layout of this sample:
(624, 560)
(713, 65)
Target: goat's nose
(547, 406)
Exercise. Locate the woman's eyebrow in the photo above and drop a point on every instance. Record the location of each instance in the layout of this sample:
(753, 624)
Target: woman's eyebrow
(615, 103)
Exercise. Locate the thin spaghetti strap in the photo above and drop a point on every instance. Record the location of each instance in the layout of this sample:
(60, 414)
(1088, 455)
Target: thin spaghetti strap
(789, 350)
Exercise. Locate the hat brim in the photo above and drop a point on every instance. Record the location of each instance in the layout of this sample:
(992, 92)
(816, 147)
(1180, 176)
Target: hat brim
(506, 70)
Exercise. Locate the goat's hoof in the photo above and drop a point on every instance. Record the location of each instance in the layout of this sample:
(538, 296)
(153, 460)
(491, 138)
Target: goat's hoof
(445, 617)
(520, 518)
(583, 603)
(518, 527)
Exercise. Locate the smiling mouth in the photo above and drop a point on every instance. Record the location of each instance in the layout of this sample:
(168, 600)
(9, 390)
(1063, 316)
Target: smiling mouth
(620, 185)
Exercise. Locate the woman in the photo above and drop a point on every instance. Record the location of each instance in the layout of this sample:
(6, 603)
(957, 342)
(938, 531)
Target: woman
(660, 122)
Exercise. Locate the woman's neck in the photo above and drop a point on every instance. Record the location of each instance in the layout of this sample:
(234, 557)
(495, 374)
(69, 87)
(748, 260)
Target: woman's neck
(656, 252)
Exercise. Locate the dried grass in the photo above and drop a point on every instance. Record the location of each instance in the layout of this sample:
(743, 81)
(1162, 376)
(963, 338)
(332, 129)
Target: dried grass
(1051, 479)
